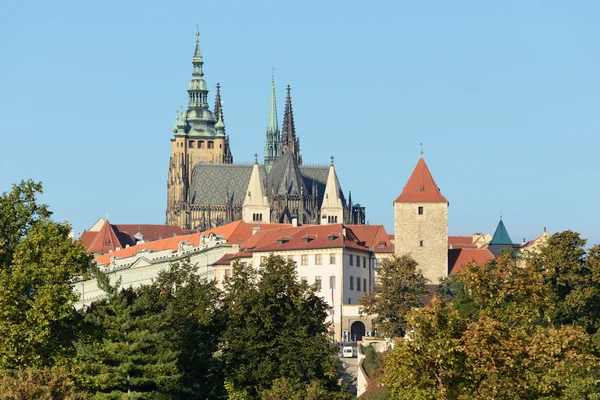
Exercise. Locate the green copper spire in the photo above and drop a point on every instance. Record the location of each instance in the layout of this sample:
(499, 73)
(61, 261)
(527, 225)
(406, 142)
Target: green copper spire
(273, 126)
(501, 234)
(273, 140)
(198, 91)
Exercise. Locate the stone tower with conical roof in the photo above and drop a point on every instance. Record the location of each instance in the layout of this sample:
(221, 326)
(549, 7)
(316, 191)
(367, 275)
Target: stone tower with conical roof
(421, 223)
(332, 210)
(198, 137)
(290, 143)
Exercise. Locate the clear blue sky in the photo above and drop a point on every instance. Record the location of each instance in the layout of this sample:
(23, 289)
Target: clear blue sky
(504, 97)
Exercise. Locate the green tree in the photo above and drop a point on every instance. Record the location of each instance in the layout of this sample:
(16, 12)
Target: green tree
(572, 276)
(399, 288)
(275, 329)
(524, 331)
(126, 354)
(38, 263)
(157, 341)
(430, 365)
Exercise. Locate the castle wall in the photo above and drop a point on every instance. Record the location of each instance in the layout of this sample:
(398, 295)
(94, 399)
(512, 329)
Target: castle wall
(424, 237)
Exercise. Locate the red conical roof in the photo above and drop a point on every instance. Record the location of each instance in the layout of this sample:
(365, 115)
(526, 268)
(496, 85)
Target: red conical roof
(421, 188)
(105, 241)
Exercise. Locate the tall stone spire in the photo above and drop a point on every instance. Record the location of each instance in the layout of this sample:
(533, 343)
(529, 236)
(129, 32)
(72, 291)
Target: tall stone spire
(289, 141)
(273, 139)
(332, 210)
(219, 104)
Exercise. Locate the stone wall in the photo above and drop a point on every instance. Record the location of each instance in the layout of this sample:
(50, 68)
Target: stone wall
(423, 236)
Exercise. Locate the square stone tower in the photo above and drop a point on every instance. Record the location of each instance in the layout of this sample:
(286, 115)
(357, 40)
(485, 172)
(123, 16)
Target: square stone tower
(421, 223)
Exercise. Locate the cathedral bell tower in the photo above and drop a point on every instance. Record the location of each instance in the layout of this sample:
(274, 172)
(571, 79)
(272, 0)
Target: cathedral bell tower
(198, 137)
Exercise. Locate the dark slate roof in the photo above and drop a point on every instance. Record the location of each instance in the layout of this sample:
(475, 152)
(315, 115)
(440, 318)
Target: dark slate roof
(501, 235)
(285, 177)
(213, 183)
(319, 175)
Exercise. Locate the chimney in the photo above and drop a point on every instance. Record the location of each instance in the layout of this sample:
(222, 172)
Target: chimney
(295, 222)
(255, 229)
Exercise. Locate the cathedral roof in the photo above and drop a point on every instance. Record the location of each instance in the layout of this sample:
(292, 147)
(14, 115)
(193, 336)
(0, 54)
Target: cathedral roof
(421, 187)
(213, 183)
(285, 177)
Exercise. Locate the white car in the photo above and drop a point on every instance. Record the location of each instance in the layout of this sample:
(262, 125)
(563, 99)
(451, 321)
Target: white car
(348, 352)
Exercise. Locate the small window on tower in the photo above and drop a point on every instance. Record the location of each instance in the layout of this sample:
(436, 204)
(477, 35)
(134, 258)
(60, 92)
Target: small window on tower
(191, 144)
(420, 210)
(211, 144)
(420, 243)
(200, 144)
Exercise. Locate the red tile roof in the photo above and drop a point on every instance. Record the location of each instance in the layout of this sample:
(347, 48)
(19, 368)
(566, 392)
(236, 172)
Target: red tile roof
(291, 238)
(421, 187)
(461, 242)
(157, 245)
(234, 233)
(374, 236)
(106, 240)
(458, 258)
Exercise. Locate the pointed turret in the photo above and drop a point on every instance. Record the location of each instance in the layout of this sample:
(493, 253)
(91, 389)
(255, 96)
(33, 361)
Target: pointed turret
(256, 205)
(198, 91)
(289, 141)
(501, 241)
(421, 187)
(273, 139)
(219, 104)
(332, 210)
(501, 235)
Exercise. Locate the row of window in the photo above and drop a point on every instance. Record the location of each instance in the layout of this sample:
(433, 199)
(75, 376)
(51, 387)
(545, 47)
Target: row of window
(359, 287)
(358, 261)
(210, 144)
(257, 217)
(318, 259)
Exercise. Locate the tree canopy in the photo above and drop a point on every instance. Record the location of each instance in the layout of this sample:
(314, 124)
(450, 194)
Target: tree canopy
(38, 263)
(399, 288)
(276, 330)
(507, 330)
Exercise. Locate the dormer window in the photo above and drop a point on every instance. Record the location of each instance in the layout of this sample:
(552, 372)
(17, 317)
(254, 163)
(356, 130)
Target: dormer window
(333, 236)
(308, 238)
(283, 239)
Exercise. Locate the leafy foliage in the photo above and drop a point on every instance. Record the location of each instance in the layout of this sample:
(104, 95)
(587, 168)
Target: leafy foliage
(400, 287)
(155, 341)
(276, 329)
(38, 262)
(507, 330)
(40, 384)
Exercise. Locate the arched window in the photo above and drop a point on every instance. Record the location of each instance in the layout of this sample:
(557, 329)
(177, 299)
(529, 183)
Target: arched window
(191, 144)
(200, 144)
(211, 144)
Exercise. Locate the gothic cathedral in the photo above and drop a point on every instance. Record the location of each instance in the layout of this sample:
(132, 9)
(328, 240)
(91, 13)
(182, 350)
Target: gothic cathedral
(206, 189)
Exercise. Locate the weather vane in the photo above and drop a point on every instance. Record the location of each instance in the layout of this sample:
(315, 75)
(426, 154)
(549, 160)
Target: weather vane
(421, 150)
